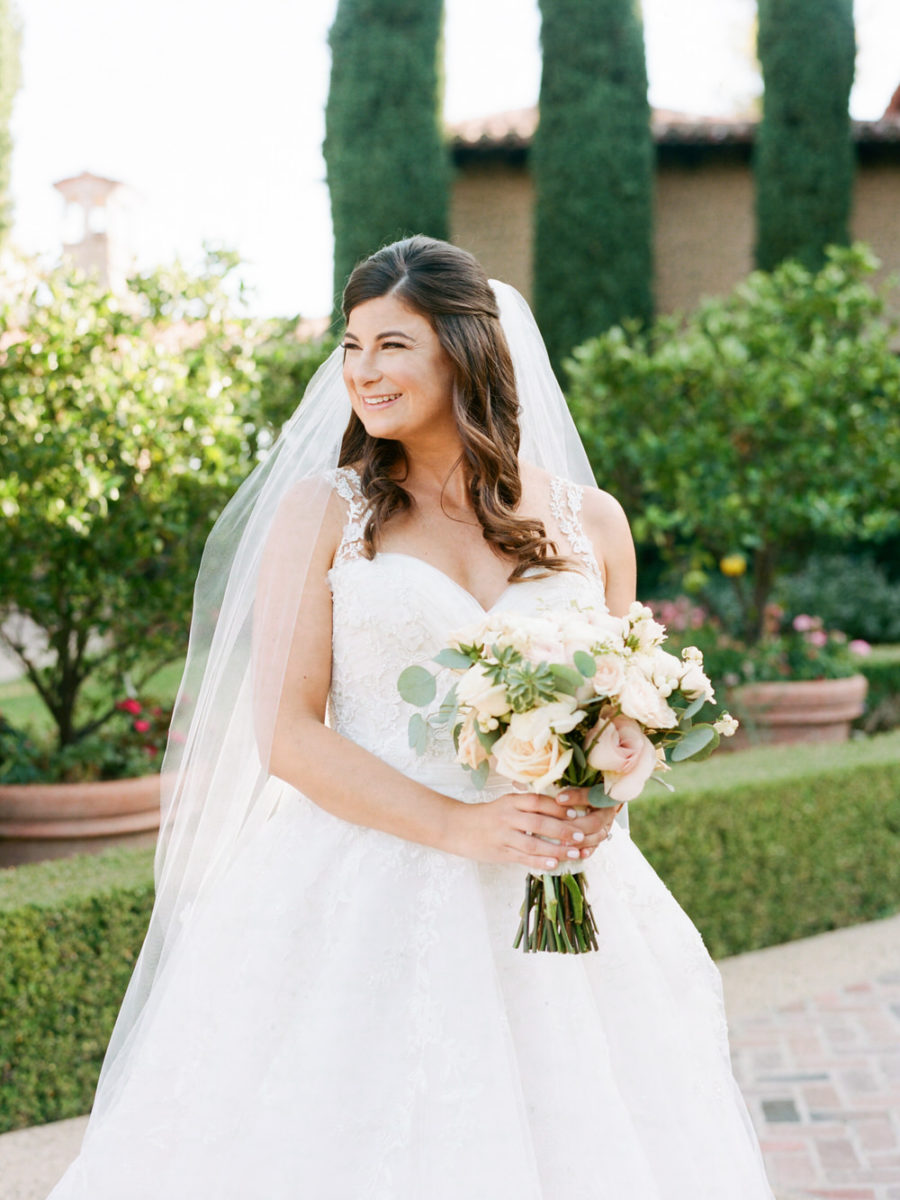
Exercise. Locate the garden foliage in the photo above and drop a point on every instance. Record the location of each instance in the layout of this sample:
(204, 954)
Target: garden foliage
(804, 153)
(756, 855)
(753, 427)
(125, 425)
(592, 164)
(387, 165)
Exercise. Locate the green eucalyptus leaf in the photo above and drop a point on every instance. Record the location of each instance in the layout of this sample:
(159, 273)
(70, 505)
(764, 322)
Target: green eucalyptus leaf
(693, 708)
(566, 679)
(455, 659)
(487, 737)
(597, 798)
(418, 733)
(479, 777)
(585, 663)
(695, 742)
(417, 686)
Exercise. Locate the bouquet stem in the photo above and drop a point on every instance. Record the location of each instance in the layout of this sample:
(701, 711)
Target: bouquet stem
(556, 915)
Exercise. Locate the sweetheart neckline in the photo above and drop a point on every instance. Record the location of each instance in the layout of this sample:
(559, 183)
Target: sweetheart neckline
(449, 578)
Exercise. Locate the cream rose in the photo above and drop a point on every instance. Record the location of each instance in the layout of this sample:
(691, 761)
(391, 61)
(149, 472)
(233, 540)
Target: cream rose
(471, 753)
(726, 726)
(530, 752)
(625, 755)
(607, 680)
(476, 690)
(640, 700)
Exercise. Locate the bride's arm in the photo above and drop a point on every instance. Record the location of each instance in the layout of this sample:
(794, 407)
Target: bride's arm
(607, 527)
(294, 676)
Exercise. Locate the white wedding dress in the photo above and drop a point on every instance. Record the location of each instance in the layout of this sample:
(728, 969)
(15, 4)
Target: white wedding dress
(346, 1019)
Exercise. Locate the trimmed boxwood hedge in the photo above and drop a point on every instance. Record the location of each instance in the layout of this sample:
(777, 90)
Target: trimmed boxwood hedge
(70, 931)
(882, 670)
(759, 847)
(771, 845)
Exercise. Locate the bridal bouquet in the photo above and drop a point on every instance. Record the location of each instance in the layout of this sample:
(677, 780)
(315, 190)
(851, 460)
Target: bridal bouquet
(569, 698)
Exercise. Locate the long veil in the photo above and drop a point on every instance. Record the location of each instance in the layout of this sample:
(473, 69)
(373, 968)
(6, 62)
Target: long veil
(216, 788)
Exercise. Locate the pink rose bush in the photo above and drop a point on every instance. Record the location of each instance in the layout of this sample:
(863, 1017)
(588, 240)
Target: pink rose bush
(571, 698)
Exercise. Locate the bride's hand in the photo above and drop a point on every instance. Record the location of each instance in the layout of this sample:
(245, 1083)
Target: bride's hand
(595, 824)
(509, 829)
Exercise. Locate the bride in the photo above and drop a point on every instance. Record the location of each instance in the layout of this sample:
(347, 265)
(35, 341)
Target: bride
(328, 1004)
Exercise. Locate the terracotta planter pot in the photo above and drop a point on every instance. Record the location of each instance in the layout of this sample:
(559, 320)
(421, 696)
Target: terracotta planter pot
(53, 820)
(818, 710)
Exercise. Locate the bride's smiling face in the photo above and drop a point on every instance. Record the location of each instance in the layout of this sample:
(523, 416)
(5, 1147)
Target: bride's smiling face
(399, 376)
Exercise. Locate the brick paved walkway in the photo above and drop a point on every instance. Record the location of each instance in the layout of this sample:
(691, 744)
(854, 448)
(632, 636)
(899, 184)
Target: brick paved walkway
(822, 1080)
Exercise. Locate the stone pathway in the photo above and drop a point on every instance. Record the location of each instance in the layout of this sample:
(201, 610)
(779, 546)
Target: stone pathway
(822, 1080)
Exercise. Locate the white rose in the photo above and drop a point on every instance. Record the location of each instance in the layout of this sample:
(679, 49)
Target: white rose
(609, 676)
(470, 753)
(694, 683)
(665, 671)
(529, 752)
(640, 700)
(476, 690)
(726, 725)
(625, 755)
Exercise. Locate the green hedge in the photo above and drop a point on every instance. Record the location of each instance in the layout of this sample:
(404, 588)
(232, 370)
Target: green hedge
(768, 845)
(759, 847)
(882, 669)
(70, 931)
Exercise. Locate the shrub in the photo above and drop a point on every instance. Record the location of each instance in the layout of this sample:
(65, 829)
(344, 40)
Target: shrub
(849, 593)
(804, 151)
(593, 163)
(387, 166)
(70, 932)
(756, 425)
(882, 669)
(779, 844)
(125, 426)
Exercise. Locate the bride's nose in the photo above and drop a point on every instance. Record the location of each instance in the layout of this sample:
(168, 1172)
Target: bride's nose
(365, 368)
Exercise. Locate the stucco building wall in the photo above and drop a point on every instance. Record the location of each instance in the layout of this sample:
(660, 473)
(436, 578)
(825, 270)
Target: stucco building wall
(704, 228)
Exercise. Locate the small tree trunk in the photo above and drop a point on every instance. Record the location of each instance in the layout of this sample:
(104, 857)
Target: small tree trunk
(763, 581)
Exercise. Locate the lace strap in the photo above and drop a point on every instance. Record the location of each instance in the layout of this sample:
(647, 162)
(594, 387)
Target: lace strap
(565, 504)
(346, 483)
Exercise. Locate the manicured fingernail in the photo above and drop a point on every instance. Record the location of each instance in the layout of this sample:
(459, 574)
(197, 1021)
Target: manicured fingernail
(573, 854)
(577, 836)
(570, 812)
(550, 862)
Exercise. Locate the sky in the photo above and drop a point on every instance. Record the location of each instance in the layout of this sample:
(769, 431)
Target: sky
(216, 126)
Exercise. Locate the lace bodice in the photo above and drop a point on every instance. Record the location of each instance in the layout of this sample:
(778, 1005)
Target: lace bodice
(395, 610)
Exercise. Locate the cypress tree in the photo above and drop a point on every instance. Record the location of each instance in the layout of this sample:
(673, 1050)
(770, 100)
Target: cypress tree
(804, 159)
(9, 83)
(387, 164)
(593, 162)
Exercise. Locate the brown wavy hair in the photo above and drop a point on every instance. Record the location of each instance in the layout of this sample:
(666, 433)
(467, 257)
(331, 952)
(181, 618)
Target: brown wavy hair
(448, 287)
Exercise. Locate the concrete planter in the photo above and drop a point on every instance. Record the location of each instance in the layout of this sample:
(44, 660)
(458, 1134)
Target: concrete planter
(53, 820)
(817, 710)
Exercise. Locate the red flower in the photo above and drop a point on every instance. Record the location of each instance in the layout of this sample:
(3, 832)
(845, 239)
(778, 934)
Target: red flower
(130, 706)
(141, 726)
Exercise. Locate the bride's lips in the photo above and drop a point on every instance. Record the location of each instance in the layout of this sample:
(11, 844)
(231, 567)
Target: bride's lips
(383, 400)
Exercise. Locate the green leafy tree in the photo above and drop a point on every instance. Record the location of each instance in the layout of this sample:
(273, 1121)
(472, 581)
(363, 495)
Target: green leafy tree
(757, 427)
(10, 40)
(592, 164)
(804, 156)
(387, 164)
(125, 425)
